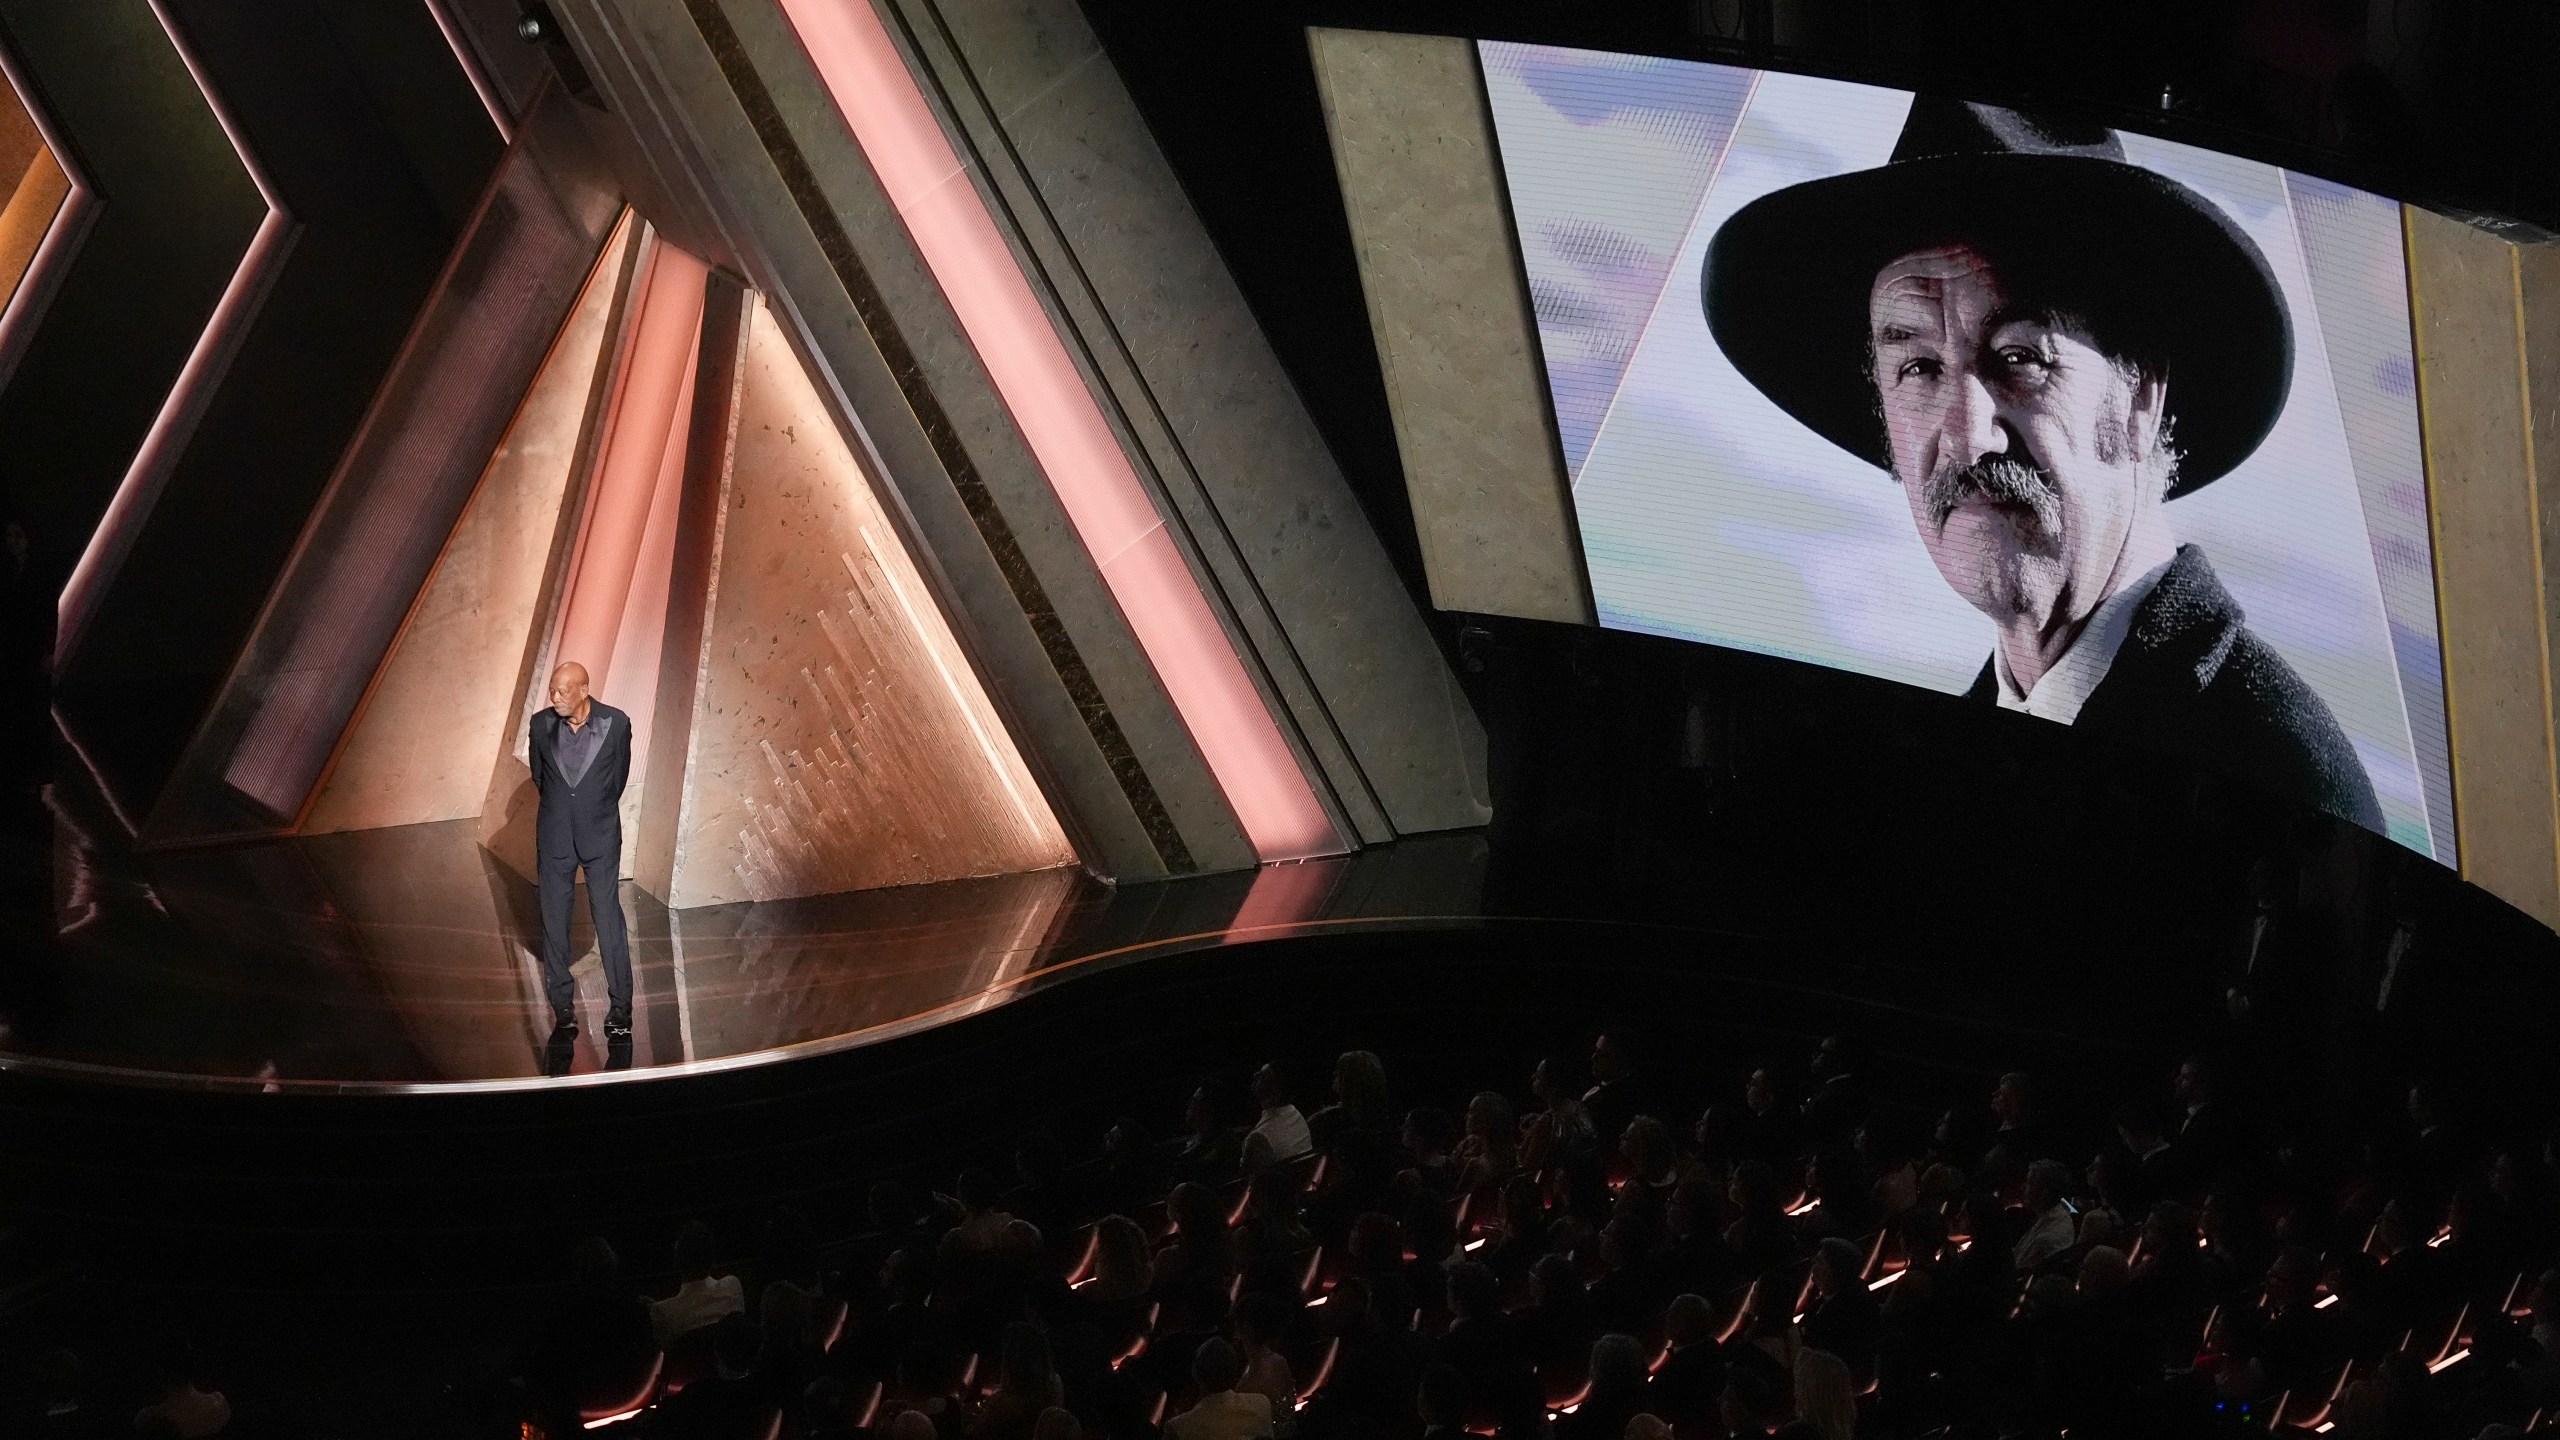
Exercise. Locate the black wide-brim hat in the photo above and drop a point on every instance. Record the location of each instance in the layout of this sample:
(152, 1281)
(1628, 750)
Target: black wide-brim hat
(2135, 253)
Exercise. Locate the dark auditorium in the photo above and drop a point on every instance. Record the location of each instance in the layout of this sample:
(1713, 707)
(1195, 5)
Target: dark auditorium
(1279, 720)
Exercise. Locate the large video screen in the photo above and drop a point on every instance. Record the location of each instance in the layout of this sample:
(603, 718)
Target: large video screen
(2078, 422)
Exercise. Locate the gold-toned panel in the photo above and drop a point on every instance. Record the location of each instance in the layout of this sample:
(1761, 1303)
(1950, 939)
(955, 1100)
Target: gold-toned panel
(840, 740)
(36, 189)
(1413, 147)
(2466, 301)
(28, 215)
(444, 704)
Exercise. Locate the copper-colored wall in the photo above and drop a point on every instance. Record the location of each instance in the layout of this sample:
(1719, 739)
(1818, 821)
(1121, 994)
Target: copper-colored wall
(839, 739)
(444, 703)
(32, 189)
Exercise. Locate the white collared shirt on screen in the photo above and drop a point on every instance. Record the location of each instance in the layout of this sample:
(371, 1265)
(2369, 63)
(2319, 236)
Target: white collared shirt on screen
(2065, 687)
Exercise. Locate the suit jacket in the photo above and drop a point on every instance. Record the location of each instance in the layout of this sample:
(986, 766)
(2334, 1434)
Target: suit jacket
(585, 819)
(2192, 680)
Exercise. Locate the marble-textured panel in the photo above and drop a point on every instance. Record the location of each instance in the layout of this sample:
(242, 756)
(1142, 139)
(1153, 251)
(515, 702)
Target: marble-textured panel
(444, 704)
(2538, 333)
(839, 739)
(1312, 589)
(1422, 184)
(2465, 300)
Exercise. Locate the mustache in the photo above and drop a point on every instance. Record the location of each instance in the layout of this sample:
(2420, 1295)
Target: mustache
(1998, 479)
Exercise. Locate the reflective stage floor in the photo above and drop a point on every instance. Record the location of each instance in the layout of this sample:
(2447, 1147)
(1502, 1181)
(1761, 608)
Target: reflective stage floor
(407, 957)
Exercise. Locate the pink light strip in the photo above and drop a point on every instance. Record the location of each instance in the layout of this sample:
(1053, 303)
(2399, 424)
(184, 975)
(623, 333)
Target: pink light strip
(1111, 511)
(185, 403)
(644, 423)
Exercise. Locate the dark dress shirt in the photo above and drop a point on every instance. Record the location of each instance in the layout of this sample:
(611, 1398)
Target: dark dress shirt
(578, 746)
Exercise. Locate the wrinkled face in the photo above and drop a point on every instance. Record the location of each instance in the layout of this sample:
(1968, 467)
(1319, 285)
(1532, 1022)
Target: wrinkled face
(2024, 452)
(569, 688)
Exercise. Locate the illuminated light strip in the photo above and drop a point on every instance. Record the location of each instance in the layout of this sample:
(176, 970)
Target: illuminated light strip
(1111, 511)
(645, 420)
(186, 401)
(471, 71)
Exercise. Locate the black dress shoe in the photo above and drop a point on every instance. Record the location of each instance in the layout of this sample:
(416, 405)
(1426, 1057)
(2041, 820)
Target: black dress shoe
(617, 1025)
(563, 1022)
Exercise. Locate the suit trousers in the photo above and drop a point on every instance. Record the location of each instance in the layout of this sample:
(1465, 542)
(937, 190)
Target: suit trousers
(604, 903)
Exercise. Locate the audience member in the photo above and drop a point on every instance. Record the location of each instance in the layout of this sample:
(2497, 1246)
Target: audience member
(702, 1298)
(2051, 1228)
(179, 1397)
(1212, 1148)
(1614, 1395)
(1261, 1321)
(1359, 1099)
(597, 1338)
(1618, 1093)
(728, 1402)
(1826, 1398)
(1222, 1412)
(1495, 1280)
(1026, 1385)
(2205, 1141)
(1839, 1103)
(1281, 1130)
(1489, 1151)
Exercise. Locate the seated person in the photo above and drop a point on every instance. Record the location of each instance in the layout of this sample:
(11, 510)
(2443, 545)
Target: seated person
(597, 1337)
(1846, 1318)
(1223, 1412)
(730, 1401)
(702, 1299)
(1684, 1390)
(189, 1411)
(1615, 1395)
(1281, 1128)
(1261, 1320)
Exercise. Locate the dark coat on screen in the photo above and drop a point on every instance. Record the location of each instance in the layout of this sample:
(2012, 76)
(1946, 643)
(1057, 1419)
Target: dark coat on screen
(2192, 680)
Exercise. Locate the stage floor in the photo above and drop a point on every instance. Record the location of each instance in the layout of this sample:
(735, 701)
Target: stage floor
(405, 958)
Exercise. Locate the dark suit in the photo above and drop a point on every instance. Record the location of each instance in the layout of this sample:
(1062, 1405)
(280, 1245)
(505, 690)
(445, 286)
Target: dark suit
(2192, 680)
(580, 827)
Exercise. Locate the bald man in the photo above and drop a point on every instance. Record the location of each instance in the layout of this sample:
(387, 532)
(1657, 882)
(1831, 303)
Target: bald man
(581, 753)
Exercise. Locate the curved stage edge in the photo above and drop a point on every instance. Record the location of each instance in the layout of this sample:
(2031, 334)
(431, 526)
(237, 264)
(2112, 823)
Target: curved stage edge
(404, 960)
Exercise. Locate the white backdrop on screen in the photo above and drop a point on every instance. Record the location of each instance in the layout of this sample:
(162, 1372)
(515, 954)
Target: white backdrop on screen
(1707, 513)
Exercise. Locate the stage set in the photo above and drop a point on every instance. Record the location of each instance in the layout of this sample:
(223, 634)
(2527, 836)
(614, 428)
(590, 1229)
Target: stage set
(812, 384)
(856, 392)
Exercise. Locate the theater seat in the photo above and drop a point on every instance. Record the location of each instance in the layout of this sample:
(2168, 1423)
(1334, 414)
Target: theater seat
(613, 1399)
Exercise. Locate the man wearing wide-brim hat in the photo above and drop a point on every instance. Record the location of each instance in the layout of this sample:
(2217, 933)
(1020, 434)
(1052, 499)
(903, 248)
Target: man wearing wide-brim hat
(2043, 344)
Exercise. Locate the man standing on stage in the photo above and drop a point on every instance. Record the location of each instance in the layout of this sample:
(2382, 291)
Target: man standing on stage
(581, 754)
